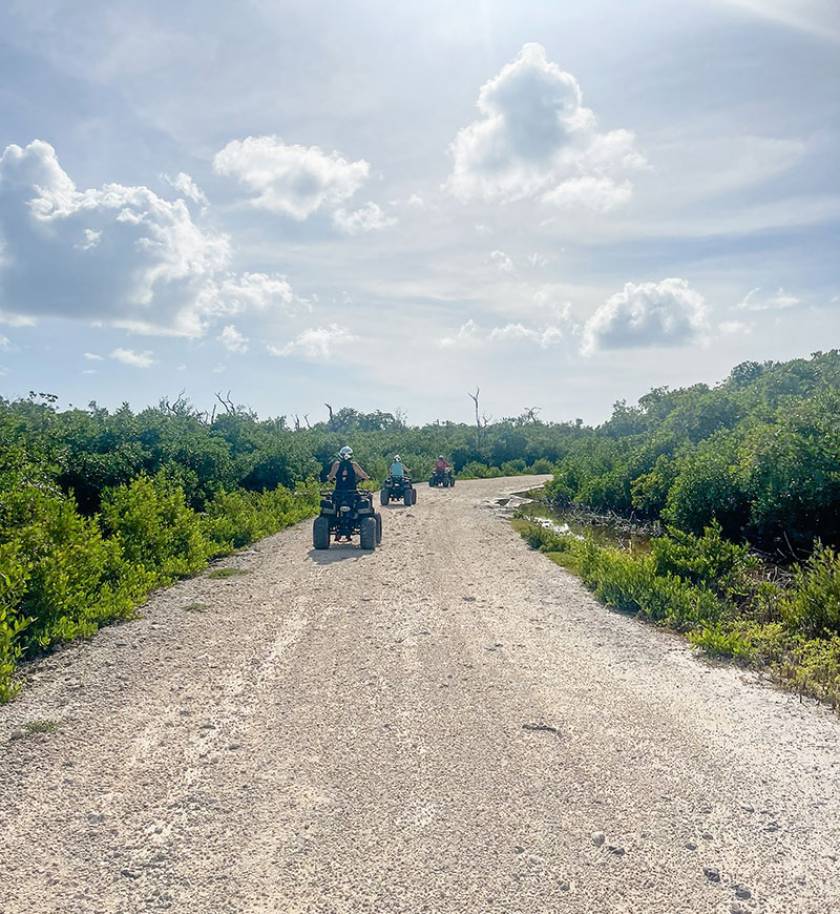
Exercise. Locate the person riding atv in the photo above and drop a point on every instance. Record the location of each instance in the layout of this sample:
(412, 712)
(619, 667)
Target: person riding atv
(346, 510)
(398, 468)
(397, 485)
(346, 472)
(441, 474)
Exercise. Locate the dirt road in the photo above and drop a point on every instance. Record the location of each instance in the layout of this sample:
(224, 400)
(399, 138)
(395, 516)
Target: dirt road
(450, 724)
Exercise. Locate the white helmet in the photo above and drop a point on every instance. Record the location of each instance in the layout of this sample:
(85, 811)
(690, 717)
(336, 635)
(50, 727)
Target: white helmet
(441, 457)
(345, 453)
(397, 458)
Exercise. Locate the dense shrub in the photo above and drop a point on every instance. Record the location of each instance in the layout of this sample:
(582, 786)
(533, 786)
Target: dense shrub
(813, 605)
(707, 587)
(64, 574)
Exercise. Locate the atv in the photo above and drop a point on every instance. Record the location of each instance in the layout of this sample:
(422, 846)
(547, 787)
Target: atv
(344, 514)
(398, 488)
(442, 478)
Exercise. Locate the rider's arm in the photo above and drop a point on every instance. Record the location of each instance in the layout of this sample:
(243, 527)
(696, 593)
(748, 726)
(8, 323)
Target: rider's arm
(333, 471)
(360, 473)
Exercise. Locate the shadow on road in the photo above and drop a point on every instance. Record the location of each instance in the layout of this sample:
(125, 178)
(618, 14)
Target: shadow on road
(339, 552)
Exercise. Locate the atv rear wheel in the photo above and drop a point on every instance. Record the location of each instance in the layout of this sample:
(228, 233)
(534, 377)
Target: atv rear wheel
(321, 533)
(367, 533)
(383, 497)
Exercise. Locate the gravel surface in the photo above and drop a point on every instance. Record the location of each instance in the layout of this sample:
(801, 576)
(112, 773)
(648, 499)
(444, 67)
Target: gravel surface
(449, 724)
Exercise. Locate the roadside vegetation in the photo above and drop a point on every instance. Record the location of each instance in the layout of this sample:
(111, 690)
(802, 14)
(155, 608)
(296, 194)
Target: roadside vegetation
(744, 478)
(99, 507)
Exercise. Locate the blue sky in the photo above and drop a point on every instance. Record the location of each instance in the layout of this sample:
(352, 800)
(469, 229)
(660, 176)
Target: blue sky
(386, 205)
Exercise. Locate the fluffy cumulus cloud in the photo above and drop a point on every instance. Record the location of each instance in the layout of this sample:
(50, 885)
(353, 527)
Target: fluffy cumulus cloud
(118, 255)
(666, 313)
(470, 336)
(780, 300)
(535, 138)
(233, 340)
(290, 179)
(132, 358)
(184, 184)
(316, 343)
(368, 218)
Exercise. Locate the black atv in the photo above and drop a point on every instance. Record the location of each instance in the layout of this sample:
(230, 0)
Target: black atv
(344, 514)
(442, 478)
(398, 488)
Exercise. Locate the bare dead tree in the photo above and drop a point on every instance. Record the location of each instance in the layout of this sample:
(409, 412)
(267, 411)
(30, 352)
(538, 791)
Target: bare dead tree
(529, 414)
(227, 404)
(330, 411)
(297, 422)
(474, 398)
(306, 420)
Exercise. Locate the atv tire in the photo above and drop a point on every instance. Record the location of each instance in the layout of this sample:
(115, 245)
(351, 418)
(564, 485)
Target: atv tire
(321, 533)
(452, 482)
(367, 533)
(432, 483)
(384, 497)
(378, 517)
(414, 496)
(408, 501)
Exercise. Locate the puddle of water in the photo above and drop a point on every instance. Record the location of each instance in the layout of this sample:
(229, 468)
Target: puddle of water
(600, 531)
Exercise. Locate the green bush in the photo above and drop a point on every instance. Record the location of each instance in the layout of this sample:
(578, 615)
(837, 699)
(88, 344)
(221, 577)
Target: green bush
(813, 605)
(155, 529)
(708, 561)
(541, 467)
(13, 574)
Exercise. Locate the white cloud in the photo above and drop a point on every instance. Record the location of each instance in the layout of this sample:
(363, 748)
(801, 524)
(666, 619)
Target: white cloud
(536, 139)
(368, 218)
(135, 359)
(290, 179)
(666, 313)
(503, 263)
(316, 343)
(14, 320)
(184, 184)
(118, 254)
(416, 201)
(471, 336)
(233, 340)
(89, 240)
(238, 293)
(5, 343)
(93, 357)
(777, 301)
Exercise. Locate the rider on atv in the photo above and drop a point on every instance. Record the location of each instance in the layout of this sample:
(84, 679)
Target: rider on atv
(346, 472)
(441, 466)
(398, 468)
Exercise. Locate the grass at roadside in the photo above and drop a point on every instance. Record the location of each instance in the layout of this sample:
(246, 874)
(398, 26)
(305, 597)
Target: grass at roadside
(713, 591)
(63, 575)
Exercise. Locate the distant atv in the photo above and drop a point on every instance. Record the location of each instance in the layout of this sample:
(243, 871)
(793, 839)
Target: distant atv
(442, 478)
(344, 514)
(398, 488)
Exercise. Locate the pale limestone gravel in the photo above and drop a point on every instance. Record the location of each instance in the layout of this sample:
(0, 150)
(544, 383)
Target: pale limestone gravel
(445, 725)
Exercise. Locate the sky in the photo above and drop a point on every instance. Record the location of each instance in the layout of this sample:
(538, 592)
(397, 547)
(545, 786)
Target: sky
(388, 205)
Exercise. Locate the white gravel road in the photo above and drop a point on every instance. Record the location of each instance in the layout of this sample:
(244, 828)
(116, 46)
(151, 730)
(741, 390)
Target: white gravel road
(449, 724)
